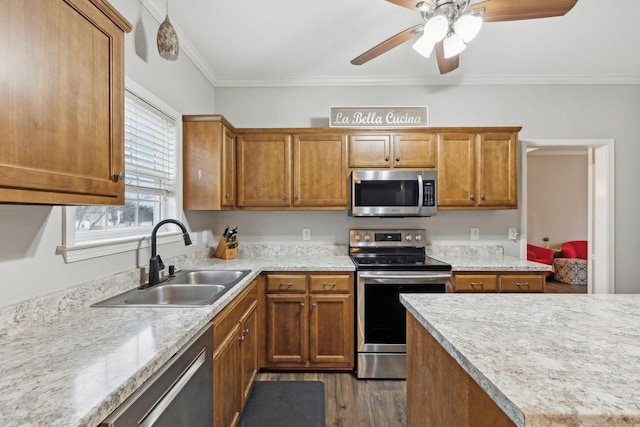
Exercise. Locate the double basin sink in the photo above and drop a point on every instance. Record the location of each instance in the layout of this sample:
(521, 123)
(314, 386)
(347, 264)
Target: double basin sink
(188, 288)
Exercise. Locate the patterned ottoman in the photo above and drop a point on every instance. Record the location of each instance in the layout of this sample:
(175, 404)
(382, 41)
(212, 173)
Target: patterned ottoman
(570, 270)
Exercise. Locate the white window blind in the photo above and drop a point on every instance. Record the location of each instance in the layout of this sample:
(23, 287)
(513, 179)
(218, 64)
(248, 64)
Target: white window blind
(150, 148)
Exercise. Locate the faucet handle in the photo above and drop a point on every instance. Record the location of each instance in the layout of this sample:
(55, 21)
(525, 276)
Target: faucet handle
(160, 263)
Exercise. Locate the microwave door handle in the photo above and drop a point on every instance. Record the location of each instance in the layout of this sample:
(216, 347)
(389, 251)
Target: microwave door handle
(420, 191)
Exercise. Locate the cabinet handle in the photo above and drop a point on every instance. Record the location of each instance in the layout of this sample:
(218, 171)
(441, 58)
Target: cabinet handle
(398, 159)
(241, 339)
(302, 304)
(286, 197)
(329, 284)
(246, 331)
(297, 197)
(386, 159)
(227, 195)
(522, 284)
(472, 197)
(482, 196)
(285, 284)
(314, 305)
(474, 284)
(117, 176)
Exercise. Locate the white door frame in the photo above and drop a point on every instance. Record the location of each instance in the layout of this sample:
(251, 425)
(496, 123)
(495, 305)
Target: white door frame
(601, 210)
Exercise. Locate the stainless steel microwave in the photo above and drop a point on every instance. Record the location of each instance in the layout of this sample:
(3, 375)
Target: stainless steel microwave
(393, 193)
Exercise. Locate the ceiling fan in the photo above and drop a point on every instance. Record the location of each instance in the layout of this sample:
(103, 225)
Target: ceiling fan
(450, 24)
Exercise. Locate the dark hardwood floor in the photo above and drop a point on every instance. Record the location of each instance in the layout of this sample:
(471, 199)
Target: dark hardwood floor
(353, 403)
(553, 286)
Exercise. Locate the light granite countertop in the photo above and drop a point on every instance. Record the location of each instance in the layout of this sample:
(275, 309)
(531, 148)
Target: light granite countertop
(63, 363)
(545, 359)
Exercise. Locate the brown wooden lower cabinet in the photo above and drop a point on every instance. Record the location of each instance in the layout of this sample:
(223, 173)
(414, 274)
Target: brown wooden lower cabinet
(512, 281)
(235, 356)
(309, 321)
(439, 392)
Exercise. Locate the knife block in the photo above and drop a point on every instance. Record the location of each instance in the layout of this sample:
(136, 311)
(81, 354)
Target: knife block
(224, 252)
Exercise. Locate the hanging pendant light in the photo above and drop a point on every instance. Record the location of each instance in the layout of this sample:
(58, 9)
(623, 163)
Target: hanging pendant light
(168, 39)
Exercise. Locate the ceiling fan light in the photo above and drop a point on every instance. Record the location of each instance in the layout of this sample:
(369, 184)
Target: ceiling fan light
(453, 45)
(424, 45)
(468, 26)
(436, 28)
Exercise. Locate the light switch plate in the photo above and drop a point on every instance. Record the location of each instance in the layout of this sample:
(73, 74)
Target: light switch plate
(475, 233)
(306, 234)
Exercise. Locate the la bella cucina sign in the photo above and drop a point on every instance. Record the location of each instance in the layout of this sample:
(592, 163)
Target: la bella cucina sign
(383, 117)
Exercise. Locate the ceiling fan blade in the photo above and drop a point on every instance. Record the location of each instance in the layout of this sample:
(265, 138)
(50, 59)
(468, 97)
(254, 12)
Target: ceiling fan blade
(513, 10)
(411, 4)
(445, 65)
(387, 45)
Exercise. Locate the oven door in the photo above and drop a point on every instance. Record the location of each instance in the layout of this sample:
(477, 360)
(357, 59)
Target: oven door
(381, 318)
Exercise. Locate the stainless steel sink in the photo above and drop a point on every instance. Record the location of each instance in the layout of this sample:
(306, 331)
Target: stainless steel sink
(188, 288)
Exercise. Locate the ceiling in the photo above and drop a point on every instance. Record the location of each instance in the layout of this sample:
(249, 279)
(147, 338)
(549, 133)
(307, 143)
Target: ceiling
(302, 43)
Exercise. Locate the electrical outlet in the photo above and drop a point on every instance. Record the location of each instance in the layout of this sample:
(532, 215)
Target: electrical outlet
(475, 233)
(512, 234)
(306, 234)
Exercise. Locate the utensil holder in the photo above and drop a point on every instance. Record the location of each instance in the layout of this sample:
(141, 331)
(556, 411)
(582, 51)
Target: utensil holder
(224, 252)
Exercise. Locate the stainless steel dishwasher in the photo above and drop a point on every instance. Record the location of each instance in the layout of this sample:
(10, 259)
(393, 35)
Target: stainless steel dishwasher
(179, 394)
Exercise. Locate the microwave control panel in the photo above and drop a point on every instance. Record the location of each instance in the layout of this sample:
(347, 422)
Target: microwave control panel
(429, 192)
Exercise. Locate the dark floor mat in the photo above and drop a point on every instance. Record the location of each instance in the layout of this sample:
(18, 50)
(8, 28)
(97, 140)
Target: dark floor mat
(284, 404)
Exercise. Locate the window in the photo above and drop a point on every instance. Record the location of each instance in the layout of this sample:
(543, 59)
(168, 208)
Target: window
(150, 149)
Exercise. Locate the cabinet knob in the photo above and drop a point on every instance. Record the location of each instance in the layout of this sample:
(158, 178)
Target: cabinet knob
(482, 196)
(241, 339)
(314, 305)
(227, 195)
(118, 176)
(302, 304)
(246, 331)
(386, 159)
(472, 197)
(286, 197)
(398, 159)
(297, 197)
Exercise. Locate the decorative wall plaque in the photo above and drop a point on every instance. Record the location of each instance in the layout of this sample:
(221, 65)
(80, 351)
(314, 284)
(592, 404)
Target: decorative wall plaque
(383, 117)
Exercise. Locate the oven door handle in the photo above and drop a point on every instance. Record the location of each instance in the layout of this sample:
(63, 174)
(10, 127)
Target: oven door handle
(413, 278)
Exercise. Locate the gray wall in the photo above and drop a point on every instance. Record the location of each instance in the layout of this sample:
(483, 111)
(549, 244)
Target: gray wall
(29, 265)
(543, 111)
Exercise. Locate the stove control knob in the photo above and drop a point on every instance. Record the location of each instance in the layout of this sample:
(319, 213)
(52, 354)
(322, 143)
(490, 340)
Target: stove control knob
(418, 237)
(409, 237)
(357, 237)
(367, 237)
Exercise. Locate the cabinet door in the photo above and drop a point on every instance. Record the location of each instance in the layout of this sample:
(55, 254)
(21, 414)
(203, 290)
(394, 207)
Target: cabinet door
(264, 170)
(287, 328)
(228, 186)
(321, 176)
(201, 160)
(226, 385)
(497, 170)
(331, 329)
(366, 150)
(414, 150)
(62, 109)
(456, 170)
(249, 349)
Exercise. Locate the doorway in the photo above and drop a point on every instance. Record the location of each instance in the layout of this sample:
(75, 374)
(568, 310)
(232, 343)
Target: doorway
(600, 221)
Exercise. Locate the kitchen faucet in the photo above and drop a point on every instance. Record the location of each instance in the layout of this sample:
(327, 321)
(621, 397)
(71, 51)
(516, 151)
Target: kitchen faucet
(155, 263)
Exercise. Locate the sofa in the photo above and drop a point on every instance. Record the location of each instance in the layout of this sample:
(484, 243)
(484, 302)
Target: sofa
(571, 268)
(541, 255)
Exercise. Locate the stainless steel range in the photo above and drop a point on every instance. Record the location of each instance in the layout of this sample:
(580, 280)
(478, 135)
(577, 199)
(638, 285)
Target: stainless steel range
(388, 263)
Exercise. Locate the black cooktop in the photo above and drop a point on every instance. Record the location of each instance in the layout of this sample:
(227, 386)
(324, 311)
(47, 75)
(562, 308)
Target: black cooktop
(397, 261)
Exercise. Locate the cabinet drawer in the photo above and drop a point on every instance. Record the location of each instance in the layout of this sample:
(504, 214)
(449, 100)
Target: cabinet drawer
(521, 283)
(330, 283)
(476, 283)
(286, 283)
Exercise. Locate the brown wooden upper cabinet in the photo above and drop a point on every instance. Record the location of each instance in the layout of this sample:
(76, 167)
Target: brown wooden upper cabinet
(62, 109)
(397, 150)
(209, 159)
(477, 171)
(306, 171)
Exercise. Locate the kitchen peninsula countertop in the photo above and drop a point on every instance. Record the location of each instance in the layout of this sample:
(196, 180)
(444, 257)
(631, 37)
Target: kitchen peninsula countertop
(545, 359)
